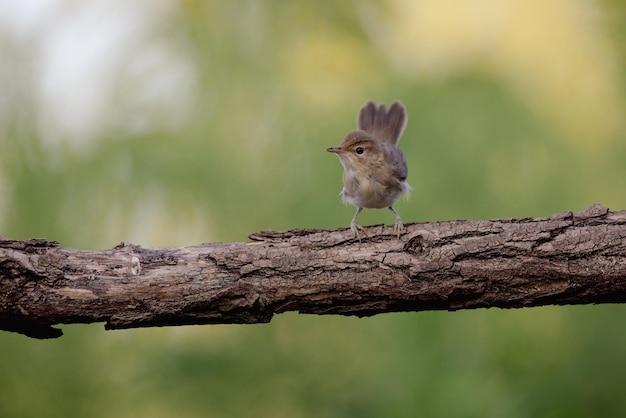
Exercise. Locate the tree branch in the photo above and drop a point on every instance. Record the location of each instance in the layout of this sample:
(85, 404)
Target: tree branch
(508, 263)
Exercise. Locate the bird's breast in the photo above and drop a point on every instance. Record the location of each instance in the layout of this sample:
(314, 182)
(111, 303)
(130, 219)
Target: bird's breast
(370, 191)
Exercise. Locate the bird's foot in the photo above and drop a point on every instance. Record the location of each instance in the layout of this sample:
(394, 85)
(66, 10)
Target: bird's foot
(398, 227)
(356, 228)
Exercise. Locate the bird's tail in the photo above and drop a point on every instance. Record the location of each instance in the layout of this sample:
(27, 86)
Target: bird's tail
(385, 125)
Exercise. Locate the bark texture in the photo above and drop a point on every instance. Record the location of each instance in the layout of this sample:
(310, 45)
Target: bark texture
(566, 258)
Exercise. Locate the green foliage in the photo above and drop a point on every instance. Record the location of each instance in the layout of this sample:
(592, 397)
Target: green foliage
(275, 84)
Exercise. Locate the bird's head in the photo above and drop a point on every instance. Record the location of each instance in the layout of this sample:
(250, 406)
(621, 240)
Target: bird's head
(359, 152)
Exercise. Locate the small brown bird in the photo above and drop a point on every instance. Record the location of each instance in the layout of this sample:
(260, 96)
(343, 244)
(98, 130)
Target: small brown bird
(374, 168)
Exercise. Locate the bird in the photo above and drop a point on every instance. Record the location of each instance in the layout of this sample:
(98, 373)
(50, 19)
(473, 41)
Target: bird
(374, 168)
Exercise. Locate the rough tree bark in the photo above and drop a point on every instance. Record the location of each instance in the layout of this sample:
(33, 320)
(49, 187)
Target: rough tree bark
(562, 259)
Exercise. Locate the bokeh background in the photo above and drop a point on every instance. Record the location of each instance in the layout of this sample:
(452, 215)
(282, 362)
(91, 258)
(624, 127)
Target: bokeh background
(176, 122)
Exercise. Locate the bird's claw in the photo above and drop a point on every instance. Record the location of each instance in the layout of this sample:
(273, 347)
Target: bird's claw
(398, 227)
(356, 228)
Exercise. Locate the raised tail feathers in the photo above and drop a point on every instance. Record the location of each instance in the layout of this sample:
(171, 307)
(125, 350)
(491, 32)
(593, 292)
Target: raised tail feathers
(385, 125)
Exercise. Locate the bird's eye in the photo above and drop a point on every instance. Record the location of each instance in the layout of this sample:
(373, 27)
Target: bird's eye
(359, 150)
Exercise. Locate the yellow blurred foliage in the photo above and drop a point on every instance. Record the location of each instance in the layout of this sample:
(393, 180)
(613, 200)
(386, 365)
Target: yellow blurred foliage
(325, 70)
(556, 56)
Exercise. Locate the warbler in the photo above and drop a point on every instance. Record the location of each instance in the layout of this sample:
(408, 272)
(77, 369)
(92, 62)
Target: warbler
(374, 168)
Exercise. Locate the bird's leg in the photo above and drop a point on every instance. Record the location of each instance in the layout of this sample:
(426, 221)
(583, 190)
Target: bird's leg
(354, 226)
(398, 226)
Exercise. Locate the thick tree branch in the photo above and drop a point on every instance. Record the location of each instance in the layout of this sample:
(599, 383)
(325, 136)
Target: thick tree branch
(562, 259)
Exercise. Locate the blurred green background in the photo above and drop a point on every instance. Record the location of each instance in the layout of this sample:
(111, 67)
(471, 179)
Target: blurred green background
(168, 123)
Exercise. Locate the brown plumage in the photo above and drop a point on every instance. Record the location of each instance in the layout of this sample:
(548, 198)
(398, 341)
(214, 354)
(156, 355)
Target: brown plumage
(375, 169)
(382, 124)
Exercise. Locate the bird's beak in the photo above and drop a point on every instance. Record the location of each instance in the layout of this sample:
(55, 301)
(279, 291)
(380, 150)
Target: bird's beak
(335, 150)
